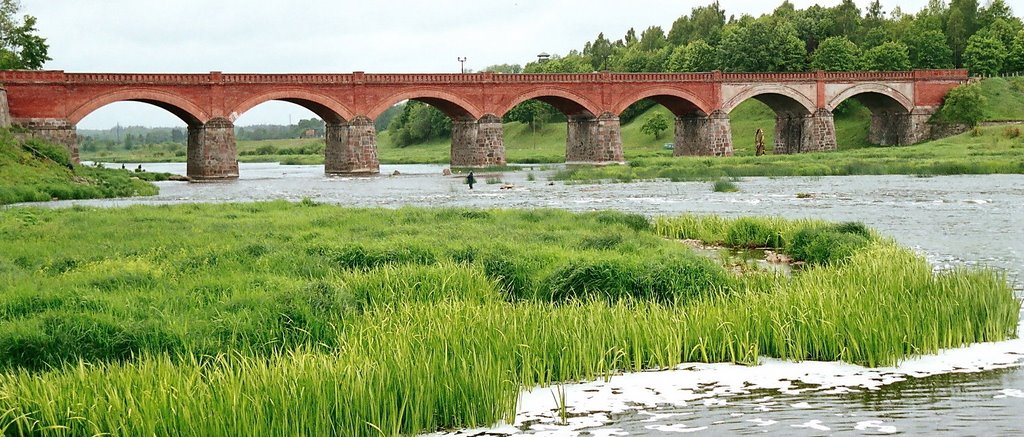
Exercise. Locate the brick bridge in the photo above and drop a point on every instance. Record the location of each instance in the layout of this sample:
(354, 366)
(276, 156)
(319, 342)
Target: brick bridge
(50, 103)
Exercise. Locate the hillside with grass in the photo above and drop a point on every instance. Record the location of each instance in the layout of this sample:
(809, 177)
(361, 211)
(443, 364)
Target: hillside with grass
(34, 170)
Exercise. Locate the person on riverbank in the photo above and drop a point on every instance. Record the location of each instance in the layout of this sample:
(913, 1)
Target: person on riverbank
(470, 179)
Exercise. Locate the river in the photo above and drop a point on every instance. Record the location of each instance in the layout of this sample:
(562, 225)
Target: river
(952, 220)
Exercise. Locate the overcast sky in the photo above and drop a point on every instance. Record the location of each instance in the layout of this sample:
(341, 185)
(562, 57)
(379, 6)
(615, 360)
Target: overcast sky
(324, 36)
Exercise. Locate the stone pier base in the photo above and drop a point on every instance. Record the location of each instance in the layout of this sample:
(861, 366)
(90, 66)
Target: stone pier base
(796, 133)
(478, 143)
(351, 148)
(5, 109)
(594, 140)
(52, 130)
(212, 154)
(897, 128)
(700, 135)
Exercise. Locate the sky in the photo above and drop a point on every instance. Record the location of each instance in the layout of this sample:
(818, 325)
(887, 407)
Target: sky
(324, 36)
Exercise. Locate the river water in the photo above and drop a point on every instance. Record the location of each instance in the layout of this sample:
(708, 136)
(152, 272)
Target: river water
(952, 220)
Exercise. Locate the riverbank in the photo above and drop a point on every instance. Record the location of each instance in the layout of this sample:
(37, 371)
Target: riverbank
(35, 171)
(987, 150)
(281, 311)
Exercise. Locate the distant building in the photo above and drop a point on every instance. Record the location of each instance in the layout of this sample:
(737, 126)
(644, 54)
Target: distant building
(309, 133)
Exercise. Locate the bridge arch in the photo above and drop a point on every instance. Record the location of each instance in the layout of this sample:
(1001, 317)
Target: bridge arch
(328, 109)
(782, 99)
(570, 104)
(875, 96)
(453, 105)
(681, 102)
(181, 107)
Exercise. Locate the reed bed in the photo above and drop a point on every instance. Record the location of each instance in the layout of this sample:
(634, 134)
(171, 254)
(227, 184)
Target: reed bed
(304, 319)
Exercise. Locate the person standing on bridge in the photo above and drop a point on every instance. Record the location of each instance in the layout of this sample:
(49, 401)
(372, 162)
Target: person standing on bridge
(470, 179)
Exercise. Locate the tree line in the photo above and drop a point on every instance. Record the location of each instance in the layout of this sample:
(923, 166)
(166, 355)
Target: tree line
(985, 39)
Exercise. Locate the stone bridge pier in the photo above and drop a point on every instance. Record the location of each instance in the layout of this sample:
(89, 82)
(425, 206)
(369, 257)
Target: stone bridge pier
(594, 140)
(478, 143)
(703, 135)
(897, 127)
(212, 154)
(351, 147)
(800, 133)
(53, 130)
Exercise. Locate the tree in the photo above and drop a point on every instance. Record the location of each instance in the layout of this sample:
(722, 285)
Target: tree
(960, 25)
(655, 125)
(996, 10)
(1015, 57)
(700, 56)
(600, 52)
(963, 105)
(928, 49)
(177, 136)
(677, 60)
(767, 44)
(1003, 30)
(836, 53)
(652, 39)
(891, 56)
(630, 38)
(20, 47)
(533, 113)
(984, 55)
(504, 68)
(704, 22)
(845, 20)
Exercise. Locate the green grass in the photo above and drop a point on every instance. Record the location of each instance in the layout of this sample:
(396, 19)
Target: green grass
(991, 151)
(34, 171)
(298, 319)
(724, 186)
(1004, 98)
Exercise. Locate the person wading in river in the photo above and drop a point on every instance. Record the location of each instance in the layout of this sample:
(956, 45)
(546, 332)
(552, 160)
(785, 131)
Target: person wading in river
(470, 179)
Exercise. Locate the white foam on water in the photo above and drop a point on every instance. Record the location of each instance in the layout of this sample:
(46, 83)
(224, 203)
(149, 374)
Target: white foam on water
(677, 428)
(1010, 393)
(711, 384)
(763, 422)
(813, 424)
(877, 425)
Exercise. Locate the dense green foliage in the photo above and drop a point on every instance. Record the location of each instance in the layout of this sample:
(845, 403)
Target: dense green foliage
(838, 38)
(33, 170)
(20, 47)
(964, 104)
(301, 319)
(836, 53)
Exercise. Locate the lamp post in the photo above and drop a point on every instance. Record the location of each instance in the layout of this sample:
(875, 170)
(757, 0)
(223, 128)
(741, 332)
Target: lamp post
(462, 65)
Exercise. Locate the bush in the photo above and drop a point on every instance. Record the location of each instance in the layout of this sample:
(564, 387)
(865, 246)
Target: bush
(751, 233)
(674, 279)
(636, 222)
(514, 273)
(963, 104)
(53, 152)
(828, 244)
(724, 186)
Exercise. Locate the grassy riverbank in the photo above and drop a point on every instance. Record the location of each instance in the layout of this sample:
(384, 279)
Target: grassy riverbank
(278, 318)
(988, 150)
(33, 171)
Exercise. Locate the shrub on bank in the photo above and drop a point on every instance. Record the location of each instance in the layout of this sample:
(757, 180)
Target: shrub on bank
(828, 244)
(670, 279)
(753, 233)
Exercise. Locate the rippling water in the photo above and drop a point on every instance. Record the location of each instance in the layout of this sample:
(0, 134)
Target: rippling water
(953, 220)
